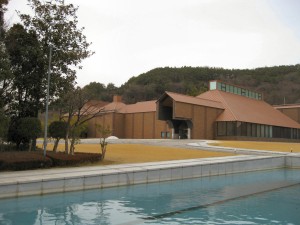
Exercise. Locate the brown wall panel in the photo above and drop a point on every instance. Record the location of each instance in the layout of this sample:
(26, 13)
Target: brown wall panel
(198, 131)
(161, 126)
(138, 125)
(128, 128)
(211, 116)
(118, 128)
(149, 125)
(293, 113)
(183, 110)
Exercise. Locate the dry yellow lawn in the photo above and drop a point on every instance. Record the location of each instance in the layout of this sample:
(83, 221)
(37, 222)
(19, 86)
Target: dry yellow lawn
(271, 146)
(137, 153)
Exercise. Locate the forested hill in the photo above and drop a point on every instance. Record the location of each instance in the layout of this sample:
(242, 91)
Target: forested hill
(278, 83)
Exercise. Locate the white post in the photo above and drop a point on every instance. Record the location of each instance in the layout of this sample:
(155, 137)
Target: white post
(47, 102)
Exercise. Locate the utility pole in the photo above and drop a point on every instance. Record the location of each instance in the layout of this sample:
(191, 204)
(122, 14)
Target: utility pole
(47, 102)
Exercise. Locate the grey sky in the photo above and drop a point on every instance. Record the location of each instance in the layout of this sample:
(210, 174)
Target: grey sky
(131, 37)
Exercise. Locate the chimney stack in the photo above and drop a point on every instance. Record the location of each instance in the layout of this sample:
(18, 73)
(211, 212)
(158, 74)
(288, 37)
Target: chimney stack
(117, 98)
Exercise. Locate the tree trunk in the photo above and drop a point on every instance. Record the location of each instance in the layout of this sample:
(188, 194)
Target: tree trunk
(72, 146)
(73, 139)
(55, 145)
(30, 145)
(67, 143)
(103, 152)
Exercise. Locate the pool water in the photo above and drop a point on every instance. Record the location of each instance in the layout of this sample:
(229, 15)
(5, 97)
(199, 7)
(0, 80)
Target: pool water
(265, 197)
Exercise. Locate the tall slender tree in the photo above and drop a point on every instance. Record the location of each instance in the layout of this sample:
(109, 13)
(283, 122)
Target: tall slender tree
(28, 86)
(5, 76)
(2, 10)
(56, 26)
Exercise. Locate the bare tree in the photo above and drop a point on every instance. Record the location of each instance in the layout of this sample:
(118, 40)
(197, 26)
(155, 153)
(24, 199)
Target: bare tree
(79, 109)
(104, 133)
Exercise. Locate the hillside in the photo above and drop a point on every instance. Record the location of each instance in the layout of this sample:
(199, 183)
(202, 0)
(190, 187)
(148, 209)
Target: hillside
(278, 83)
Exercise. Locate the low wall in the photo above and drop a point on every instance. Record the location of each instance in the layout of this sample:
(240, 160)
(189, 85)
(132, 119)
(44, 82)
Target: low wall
(74, 179)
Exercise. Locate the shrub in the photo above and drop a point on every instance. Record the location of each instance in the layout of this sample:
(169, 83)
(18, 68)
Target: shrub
(23, 130)
(57, 129)
(62, 159)
(23, 161)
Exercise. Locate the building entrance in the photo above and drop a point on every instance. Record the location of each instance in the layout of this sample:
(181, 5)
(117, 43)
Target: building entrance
(181, 129)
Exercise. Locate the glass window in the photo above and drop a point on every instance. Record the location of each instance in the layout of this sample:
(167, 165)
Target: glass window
(262, 130)
(162, 134)
(248, 129)
(243, 92)
(168, 134)
(267, 131)
(258, 130)
(219, 86)
(253, 130)
(223, 87)
(239, 128)
(221, 128)
(244, 129)
(235, 90)
(227, 87)
(213, 85)
(230, 128)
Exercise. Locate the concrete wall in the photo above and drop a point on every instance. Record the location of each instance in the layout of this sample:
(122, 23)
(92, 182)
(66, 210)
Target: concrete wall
(64, 180)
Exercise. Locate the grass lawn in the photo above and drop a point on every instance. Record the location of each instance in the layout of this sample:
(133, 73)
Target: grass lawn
(271, 146)
(138, 153)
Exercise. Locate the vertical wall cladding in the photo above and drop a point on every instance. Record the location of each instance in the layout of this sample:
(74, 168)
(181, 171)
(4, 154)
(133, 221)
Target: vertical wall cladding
(128, 127)
(104, 121)
(293, 113)
(92, 127)
(118, 126)
(211, 116)
(198, 131)
(149, 125)
(203, 122)
(138, 125)
(160, 126)
(183, 110)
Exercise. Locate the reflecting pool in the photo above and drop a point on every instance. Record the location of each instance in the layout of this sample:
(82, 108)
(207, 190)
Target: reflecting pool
(264, 197)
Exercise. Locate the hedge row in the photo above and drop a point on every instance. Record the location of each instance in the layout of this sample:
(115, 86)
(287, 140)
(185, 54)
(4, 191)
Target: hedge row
(35, 160)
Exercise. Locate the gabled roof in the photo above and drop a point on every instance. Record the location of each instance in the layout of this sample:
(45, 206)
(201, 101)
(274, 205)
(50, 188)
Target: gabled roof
(147, 106)
(114, 107)
(239, 108)
(193, 100)
(92, 107)
(120, 107)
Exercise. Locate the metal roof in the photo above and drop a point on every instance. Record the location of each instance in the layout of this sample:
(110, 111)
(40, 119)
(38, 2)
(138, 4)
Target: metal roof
(240, 108)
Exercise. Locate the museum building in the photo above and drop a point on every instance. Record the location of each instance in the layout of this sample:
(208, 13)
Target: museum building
(224, 112)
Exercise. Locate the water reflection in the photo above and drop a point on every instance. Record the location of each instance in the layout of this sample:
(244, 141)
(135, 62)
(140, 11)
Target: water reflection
(184, 201)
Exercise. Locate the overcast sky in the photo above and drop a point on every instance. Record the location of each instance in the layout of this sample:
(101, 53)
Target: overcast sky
(131, 37)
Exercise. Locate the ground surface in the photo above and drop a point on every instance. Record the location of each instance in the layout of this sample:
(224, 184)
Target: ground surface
(271, 146)
(134, 151)
(137, 153)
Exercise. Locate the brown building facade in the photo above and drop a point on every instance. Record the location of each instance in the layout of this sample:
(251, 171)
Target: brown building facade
(223, 112)
(291, 110)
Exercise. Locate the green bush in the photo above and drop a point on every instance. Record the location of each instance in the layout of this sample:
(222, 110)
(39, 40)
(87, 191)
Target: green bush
(23, 130)
(58, 129)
